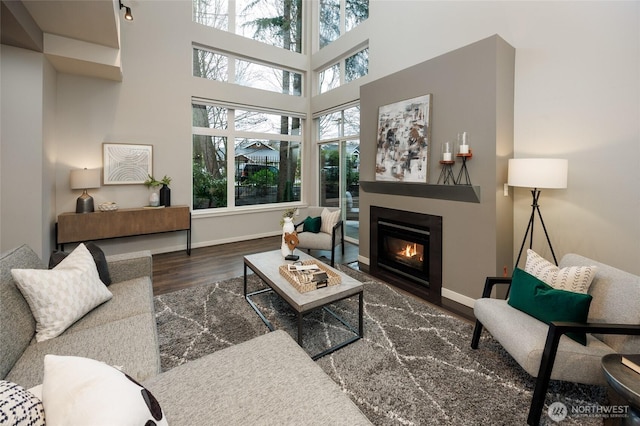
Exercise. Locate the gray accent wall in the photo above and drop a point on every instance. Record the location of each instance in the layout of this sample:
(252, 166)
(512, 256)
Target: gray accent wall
(473, 91)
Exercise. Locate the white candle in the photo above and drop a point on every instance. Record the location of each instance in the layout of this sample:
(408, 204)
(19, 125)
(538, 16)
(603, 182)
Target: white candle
(446, 156)
(464, 149)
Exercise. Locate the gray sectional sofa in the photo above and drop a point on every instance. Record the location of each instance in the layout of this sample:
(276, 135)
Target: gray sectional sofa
(267, 380)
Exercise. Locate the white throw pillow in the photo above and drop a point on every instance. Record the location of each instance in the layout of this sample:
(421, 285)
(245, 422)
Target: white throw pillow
(60, 296)
(83, 391)
(19, 407)
(328, 220)
(572, 278)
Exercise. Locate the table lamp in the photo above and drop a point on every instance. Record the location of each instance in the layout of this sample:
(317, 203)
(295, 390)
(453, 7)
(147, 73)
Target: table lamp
(84, 179)
(537, 173)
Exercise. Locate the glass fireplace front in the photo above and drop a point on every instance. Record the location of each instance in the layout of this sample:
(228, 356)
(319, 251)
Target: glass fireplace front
(404, 250)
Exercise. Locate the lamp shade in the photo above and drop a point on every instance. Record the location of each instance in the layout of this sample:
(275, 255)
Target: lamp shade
(538, 172)
(85, 178)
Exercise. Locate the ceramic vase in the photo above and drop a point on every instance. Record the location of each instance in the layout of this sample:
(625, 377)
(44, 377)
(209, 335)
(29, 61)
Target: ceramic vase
(288, 227)
(165, 196)
(154, 199)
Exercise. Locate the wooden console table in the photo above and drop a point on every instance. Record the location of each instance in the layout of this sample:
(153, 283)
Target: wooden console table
(81, 227)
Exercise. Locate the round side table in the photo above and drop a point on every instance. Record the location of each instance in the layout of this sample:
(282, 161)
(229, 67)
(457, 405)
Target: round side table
(626, 383)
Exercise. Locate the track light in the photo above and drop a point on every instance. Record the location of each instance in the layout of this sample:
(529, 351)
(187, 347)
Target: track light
(127, 12)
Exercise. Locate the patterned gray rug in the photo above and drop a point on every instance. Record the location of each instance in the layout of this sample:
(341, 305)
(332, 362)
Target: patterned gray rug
(414, 366)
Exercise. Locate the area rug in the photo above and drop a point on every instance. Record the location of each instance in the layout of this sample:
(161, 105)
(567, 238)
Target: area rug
(413, 367)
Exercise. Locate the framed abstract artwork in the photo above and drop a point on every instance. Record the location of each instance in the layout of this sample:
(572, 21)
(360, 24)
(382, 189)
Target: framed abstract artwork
(126, 164)
(404, 139)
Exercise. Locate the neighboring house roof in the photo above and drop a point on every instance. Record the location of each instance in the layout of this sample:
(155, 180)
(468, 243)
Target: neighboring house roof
(256, 152)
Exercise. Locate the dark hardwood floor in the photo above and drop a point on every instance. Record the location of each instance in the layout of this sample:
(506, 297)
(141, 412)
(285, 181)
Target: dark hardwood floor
(176, 270)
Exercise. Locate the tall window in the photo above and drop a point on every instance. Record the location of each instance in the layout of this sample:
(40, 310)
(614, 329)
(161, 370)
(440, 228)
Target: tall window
(244, 157)
(340, 16)
(339, 156)
(276, 22)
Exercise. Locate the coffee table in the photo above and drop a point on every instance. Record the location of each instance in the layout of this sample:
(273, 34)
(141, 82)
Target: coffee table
(265, 265)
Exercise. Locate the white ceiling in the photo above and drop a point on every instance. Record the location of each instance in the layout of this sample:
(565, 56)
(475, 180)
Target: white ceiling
(93, 21)
(25, 23)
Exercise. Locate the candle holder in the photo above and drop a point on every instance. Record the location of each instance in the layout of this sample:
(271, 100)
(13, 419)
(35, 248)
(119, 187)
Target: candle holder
(447, 155)
(447, 162)
(463, 170)
(463, 143)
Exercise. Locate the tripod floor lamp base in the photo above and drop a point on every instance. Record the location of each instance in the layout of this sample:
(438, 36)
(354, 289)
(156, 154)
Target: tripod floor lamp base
(536, 173)
(535, 193)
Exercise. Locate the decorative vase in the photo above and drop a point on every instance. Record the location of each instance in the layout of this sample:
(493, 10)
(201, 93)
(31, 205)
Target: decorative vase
(154, 199)
(165, 195)
(288, 227)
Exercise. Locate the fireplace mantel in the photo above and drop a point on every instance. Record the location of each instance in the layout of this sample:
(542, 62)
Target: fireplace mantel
(465, 193)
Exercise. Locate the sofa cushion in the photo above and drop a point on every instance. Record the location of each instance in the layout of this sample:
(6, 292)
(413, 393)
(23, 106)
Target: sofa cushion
(131, 343)
(60, 296)
(570, 278)
(14, 309)
(19, 407)
(98, 257)
(79, 390)
(267, 380)
(130, 298)
(536, 298)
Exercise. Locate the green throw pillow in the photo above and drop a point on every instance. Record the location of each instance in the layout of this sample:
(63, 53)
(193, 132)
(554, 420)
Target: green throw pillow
(541, 301)
(312, 224)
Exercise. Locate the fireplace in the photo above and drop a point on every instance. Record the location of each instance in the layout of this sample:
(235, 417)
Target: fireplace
(406, 251)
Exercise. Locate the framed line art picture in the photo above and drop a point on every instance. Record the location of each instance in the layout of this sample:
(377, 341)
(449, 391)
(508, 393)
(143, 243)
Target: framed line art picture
(126, 164)
(404, 139)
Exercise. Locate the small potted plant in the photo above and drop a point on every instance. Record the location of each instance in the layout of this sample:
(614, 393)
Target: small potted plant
(164, 199)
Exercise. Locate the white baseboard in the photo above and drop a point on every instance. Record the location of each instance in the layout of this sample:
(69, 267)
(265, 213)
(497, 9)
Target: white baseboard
(457, 297)
(449, 294)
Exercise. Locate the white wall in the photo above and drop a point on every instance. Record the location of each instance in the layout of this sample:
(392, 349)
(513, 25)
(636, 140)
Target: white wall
(26, 169)
(577, 96)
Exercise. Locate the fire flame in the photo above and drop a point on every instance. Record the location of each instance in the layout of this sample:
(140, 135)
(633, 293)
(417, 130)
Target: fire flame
(410, 251)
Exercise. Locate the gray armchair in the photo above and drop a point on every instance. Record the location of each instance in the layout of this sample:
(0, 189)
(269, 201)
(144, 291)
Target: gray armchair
(544, 352)
(322, 240)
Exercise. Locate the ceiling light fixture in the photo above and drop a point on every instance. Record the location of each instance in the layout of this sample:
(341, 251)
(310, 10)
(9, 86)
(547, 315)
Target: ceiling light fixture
(127, 12)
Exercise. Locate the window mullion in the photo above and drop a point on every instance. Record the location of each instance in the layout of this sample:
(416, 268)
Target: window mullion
(232, 16)
(343, 17)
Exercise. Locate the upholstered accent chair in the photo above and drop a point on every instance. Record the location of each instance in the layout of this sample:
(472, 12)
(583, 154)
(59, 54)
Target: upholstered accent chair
(544, 351)
(329, 236)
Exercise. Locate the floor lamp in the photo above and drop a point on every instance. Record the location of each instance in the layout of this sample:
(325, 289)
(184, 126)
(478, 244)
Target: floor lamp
(537, 173)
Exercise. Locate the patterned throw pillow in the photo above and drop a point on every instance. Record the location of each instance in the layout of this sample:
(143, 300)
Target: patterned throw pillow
(19, 407)
(60, 296)
(572, 278)
(83, 391)
(328, 220)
